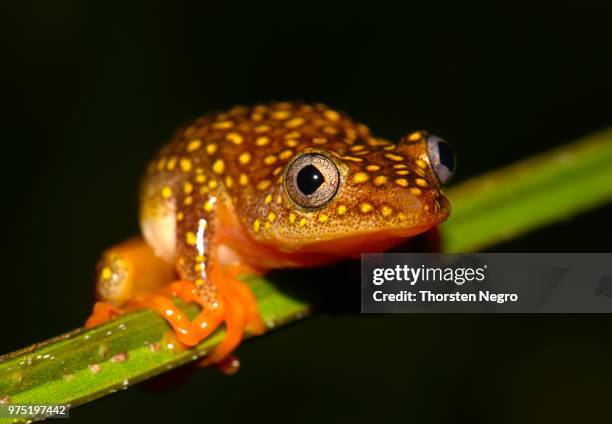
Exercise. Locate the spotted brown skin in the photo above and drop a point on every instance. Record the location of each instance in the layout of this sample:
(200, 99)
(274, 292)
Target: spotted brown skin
(229, 194)
(240, 157)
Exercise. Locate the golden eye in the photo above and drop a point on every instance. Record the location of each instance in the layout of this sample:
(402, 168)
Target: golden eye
(312, 180)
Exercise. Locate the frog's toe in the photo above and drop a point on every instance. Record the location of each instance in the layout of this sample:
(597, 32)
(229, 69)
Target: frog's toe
(228, 366)
(243, 294)
(101, 313)
(235, 320)
(190, 333)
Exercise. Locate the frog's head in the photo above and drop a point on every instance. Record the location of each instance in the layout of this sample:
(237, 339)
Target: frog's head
(362, 197)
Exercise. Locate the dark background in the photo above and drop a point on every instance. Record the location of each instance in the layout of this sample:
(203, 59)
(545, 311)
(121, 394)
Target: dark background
(92, 90)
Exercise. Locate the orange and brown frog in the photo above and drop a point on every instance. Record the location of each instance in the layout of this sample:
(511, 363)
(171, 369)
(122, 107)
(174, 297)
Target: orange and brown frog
(280, 185)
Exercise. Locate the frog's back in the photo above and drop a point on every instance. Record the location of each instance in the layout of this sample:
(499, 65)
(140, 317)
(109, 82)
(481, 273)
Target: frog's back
(246, 147)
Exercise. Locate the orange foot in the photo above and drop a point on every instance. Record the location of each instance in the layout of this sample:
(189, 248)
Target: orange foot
(102, 312)
(235, 306)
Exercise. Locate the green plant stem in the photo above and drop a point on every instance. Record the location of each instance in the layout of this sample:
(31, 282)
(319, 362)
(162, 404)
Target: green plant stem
(83, 365)
(530, 194)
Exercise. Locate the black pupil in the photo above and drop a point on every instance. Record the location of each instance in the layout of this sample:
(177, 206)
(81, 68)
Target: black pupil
(309, 179)
(447, 158)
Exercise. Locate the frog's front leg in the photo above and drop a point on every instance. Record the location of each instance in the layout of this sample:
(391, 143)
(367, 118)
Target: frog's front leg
(204, 279)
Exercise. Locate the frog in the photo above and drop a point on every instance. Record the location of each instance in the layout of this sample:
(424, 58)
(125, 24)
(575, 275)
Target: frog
(258, 188)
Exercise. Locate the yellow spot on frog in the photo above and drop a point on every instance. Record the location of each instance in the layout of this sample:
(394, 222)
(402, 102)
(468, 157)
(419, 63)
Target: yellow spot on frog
(106, 273)
(256, 225)
(244, 158)
(166, 192)
(292, 134)
(291, 143)
(185, 164)
(415, 190)
(415, 136)
(420, 182)
(211, 149)
(380, 180)
(292, 217)
(352, 158)
(218, 167)
(180, 216)
(342, 209)
(171, 164)
(223, 125)
(270, 160)
(420, 163)
(188, 200)
(372, 168)
(209, 205)
(229, 181)
(360, 177)
(260, 129)
(234, 137)
(263, 140)
(319, 140)
(190, 238)
(295, 122)
(357, 148)
(280, 114)
(402, 182)
(243, 179)
(213, 184)
(323, 218)
(271, 216)
(332, 115)
(201, 178)
(366, 207)
(285, 154)
(302, 222)
(399, 166)
(394, 157)
(194, 145)
(264, 184)
(351, 134)
(161, 164)
(268, 199)
(386, 211)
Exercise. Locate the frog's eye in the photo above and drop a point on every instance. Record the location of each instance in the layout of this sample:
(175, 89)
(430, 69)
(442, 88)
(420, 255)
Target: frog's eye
(441, 157)
(312, 180)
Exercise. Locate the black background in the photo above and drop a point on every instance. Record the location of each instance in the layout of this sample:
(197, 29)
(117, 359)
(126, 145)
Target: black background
(91, 91)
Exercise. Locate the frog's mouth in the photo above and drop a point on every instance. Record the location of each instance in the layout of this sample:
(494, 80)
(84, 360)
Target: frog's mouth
(377, 238)
(368, 242)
